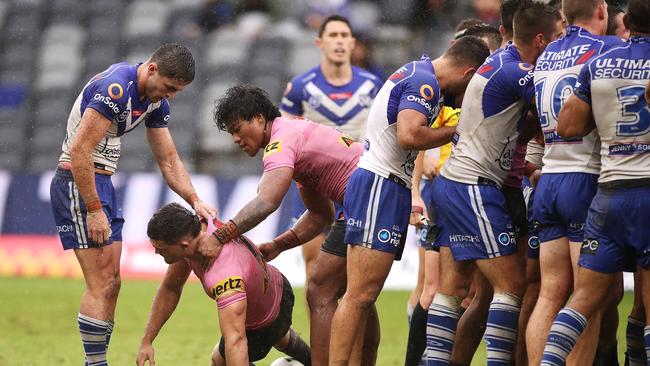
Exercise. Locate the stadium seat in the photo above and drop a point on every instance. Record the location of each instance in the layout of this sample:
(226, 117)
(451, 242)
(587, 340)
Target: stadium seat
(4, 9)
(396, 12)
(225, 46)
(305, 54)
(146, 18)
(211, 140)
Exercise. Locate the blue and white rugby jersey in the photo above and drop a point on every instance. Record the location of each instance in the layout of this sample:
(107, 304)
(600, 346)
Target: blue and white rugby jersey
(343, 107)
(412, 86)
(556, 73)
(614, 84)
(114, 94)
(496, 99)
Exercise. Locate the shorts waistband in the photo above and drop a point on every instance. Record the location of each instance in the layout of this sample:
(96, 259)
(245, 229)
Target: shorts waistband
(393, 178)
(67, 175)
(625, 184)
(482, 181)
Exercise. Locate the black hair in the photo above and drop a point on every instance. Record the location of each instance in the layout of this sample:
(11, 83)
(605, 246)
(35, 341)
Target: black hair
(508, 10)
(469, 50)
(334, 18)
(173, 222)
(533, 18)
(638, 13)
(174, 61)
(492, 34)
(243, 102)
(467, 23)
(612, 12)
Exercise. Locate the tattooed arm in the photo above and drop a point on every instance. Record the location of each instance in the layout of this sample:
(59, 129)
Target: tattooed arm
(273, 186)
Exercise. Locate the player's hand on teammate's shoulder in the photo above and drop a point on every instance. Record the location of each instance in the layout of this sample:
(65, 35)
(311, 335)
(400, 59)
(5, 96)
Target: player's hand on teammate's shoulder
(209, 246)
(145, 353)
(98, 228)
(269, 250)
(204, 210)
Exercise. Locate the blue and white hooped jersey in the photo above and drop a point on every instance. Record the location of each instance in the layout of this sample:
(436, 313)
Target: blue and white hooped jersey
(114, 94)
(496, 99)
(614, 84)
(412, 86)
(343, 107)
(556, 73)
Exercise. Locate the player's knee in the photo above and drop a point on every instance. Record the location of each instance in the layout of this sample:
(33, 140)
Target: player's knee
(217, 359)
(115, 285)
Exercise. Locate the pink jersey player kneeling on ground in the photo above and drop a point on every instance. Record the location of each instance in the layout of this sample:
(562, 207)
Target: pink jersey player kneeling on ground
(254, 300)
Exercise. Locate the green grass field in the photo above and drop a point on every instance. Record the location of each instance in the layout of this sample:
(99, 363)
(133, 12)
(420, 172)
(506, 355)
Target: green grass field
(38, 325)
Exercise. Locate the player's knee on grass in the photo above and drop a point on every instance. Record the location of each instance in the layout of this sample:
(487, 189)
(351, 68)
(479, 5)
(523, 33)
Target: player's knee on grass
(217, 358)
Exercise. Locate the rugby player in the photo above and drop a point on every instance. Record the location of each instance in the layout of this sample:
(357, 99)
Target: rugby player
(335, 94)
(254, 300)
(569, 176)
(86, 210)
(377, 199)
(320, 160)
(608, 97)
(476, 225)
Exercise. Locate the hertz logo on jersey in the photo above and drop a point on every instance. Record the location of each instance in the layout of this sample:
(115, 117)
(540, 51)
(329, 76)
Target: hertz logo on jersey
(228, 286)
(272, 148)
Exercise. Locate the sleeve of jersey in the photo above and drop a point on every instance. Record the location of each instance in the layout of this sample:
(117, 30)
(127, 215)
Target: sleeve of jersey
(280, 152)
(582, 89)
(160, 116)
(229, 291)
(419, 93)
(109, 98)
(292, 99)
(522, 79)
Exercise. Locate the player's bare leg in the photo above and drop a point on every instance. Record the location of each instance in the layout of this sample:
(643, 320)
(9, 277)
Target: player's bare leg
(533, 284)
(431, 277)
(607, 345)
(635, 353)
(102, 281)
(471, 326)
(584, 351)
(292, 345)
(310, 251)
(371, 338)
(217, 358)
(325, 288)
(556, 285)
(367, 270)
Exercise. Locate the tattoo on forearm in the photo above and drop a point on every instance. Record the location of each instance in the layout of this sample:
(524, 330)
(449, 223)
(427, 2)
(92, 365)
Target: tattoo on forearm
(252, 214)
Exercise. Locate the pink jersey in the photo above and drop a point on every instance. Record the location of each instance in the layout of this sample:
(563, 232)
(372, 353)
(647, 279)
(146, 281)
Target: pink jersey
(518, 163)
(321, 157)
(237, 275)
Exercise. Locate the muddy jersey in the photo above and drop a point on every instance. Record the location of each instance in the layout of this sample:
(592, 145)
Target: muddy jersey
(412, 86)
(114, 94)
(237, 275)
(343, 107)
(556, 73)
(497, 98)
(614, 84)
(321, 157)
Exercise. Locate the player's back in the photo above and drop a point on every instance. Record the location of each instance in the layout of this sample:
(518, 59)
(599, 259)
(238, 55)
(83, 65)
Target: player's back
(236, 275)
(343, 107)
(618, 80)
(321, 157)
(495, 101)
(412, 86)
(556, 73)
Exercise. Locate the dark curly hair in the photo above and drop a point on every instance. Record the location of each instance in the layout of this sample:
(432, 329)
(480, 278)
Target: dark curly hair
(172, 222)
(243, 102)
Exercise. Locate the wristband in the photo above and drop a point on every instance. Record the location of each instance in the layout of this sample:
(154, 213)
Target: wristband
(227, 232)
(287, 240)
(417, 209)
(94, 204)
(191, 198)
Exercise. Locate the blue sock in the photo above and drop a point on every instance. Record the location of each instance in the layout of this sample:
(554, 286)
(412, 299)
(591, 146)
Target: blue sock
(441, 329)
(93, 338)
(646, 340)
(634, 336)
(501, 330)
(565, 331)
(109, 331)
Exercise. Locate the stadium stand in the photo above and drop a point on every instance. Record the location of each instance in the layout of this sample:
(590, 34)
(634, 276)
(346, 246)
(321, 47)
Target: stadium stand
(50, 48)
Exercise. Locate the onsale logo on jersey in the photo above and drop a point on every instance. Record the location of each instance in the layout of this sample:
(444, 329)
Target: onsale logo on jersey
(115, 91)
(228, 286)
(426, 91)
(272, 148)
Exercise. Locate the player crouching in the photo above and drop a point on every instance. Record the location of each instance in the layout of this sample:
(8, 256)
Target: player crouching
(254, 299)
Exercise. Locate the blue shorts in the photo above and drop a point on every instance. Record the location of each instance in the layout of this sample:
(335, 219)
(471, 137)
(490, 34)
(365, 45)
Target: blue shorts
(561, 205)
(533, 234)
(473, 219)
(426, 234)
(376, 212)
(70, 210)
(617, 230)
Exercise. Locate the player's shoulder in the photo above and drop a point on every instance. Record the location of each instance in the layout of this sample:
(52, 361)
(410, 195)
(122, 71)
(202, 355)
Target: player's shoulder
(415, 72)
(306, 76)
(363, 74)
(117, 73)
